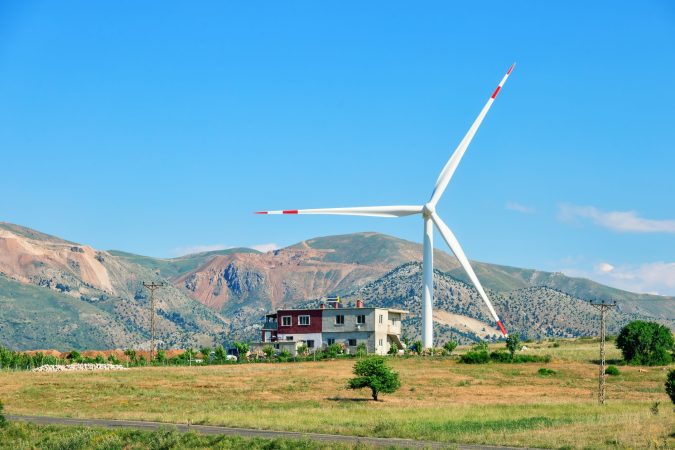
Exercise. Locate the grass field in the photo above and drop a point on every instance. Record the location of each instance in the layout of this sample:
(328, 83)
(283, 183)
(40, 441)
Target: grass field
(21, 436)
(440, 399)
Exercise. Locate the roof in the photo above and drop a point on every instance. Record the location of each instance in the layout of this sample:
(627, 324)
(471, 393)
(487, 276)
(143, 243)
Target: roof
(394, 310)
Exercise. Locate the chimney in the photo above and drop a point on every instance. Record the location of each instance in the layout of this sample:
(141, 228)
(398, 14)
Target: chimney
(359, 303)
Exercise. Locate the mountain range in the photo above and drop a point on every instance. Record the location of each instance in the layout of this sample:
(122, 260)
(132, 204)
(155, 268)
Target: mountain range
(60, 294)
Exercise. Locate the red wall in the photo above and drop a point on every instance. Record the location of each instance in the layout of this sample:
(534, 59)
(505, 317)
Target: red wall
(314, 321)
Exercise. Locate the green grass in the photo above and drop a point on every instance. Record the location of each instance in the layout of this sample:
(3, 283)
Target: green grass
(440, 399)
(52, 437)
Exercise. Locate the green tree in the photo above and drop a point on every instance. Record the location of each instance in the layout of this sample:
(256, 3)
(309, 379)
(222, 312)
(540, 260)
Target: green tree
(512, 344)
(242, 349)
(450, 346)
(373, 373)
(219, 354)
(75, 356)
(160, 356)
(206, 353)
(416, 347)
(645, 343)
(670, 385)
(131, 354)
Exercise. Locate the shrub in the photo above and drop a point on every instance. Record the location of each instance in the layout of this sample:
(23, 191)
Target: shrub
(416, 347)
(112, 359)
(670, 385)
(285, 354)
(333, 350)
(544, 372)
(645, 343)
(477, 355)
(131, 354)
(302, 349)
(75, 356)
(219, 354)
(373, 373)
(612, 370)
(268, 350)
(206, 353)
(3, 421)
(450, 346)
(501, 356)
(160, 356)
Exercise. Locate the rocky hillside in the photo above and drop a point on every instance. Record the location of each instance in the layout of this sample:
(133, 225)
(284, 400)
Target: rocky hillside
(60, 294)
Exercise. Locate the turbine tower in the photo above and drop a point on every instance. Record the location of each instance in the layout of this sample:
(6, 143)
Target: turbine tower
(431, 218)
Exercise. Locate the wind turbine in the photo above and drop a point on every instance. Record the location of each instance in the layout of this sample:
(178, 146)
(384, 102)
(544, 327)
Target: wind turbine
(428, 212)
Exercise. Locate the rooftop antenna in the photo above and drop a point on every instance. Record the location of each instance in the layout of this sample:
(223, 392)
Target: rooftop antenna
(431, 218)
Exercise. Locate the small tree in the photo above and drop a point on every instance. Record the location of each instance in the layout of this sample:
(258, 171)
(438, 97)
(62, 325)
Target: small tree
(645, 343)
(416, 347)
(75, 356)
(242, 349)
(450, 346)
(670, 385)
(512, 344)
(131, 354)
(220, 354)
(205, 352)
(373, 373)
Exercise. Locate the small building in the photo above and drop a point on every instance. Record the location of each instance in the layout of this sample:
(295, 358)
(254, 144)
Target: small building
(377, 328)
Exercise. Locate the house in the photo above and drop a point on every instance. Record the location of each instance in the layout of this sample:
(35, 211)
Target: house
(377, 328)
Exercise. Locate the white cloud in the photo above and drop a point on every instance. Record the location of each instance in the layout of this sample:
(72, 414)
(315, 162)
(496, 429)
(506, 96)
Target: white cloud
(189, 250)
(514, 206)
(265, 247)
(604, 267)
(622, 221)
(653, 278)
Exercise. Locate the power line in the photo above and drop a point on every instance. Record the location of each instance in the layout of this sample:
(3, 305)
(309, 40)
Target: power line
(603, 308)
(152, 286)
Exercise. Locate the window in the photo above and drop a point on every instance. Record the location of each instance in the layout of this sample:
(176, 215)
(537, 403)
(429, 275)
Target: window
(352, 342)
(339, 320)
(361, 319)
(380, 343)
(331, 341)
(310, 343)
(303, 320)
(286, 321)
(289, 338)
(381, 318)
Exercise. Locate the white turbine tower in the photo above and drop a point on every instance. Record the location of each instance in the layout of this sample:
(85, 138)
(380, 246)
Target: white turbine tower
(428, 212)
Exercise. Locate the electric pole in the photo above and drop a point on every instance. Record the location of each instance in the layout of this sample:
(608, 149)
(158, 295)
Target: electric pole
(152, 286)
(603, 308)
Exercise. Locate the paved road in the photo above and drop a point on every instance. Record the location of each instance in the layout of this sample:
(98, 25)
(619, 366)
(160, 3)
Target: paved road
(250, 432)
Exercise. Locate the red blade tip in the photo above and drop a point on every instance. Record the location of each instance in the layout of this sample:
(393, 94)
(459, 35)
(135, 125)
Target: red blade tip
(501, 327)
(511, 68)
(260, 212)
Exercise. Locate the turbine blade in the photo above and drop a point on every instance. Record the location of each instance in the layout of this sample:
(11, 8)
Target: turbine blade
(372, 211)
(459, 253)
(453, 162)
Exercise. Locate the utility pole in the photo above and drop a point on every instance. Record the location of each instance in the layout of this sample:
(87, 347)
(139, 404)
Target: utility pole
(152, 286)
(603, 308)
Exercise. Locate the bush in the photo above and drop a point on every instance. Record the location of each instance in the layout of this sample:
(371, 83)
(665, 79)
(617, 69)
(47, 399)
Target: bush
(477, 355)
(393, 349)
(268, 350)
(303, 349)
(544, 372)
(670, 385)
(612, 370)
(450, 346)
(3, 421)
(75, 356)
(333, 350)
(645, 343)
(416, 347)
(206, 353)
(373, 373)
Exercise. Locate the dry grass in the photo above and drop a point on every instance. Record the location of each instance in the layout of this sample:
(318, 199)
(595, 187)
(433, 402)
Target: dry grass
(439, 400)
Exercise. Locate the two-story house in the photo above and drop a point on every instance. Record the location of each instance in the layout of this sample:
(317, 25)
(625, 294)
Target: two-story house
(377, 328)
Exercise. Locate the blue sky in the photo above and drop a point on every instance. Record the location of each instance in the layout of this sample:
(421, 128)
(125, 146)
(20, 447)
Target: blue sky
(159, 128)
